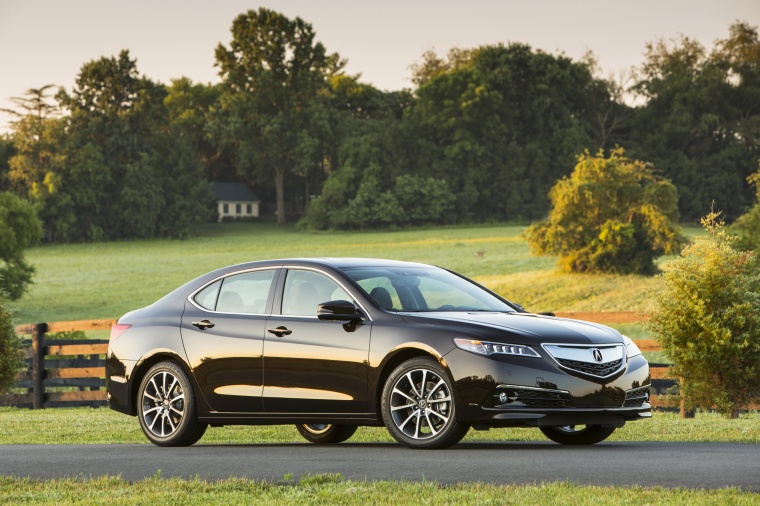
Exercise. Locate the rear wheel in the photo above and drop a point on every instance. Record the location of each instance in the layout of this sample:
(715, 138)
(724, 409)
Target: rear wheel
(166, 409)
(418, 406)
(325, 433)
(578, 434)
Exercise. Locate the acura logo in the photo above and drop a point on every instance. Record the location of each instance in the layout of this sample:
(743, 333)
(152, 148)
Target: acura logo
(597, 355)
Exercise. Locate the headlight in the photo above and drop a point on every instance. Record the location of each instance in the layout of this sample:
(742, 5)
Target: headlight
(631, 347)
(486, 348)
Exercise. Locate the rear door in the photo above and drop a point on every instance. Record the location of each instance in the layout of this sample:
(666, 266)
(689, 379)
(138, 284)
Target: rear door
(223, 329)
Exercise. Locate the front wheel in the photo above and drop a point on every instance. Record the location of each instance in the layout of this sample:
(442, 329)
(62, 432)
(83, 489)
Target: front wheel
(325, 433)
(578, 434)
(166, 410)
(418, 406)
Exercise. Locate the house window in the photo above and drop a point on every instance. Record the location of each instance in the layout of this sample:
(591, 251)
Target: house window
(249, 208)
(225, 209)
(238, 209)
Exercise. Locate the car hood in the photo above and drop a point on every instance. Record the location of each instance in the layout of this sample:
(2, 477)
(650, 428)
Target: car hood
(519, 328)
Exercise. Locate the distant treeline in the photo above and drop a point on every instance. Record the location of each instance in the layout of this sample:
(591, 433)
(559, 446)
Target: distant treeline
(482, 137)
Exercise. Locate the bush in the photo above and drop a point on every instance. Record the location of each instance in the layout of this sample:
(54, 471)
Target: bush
(10, 354)
(707, 320)
(611, 215)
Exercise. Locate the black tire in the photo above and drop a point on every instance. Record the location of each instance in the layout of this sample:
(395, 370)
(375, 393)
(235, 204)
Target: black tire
(325, 433)
(578, 434)
(166, 407)
(419, 392)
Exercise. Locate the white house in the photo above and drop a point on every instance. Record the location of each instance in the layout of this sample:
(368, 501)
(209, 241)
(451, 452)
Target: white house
(235, 200)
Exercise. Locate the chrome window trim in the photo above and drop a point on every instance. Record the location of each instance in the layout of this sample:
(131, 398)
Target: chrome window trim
(191, 297)
(320, 271)
(623, 363)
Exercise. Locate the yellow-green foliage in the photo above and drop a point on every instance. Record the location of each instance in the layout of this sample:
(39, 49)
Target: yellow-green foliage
(707, 319)
(10, 359)
(611, 215)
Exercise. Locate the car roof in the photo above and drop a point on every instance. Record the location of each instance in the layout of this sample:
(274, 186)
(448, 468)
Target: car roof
(335, 262)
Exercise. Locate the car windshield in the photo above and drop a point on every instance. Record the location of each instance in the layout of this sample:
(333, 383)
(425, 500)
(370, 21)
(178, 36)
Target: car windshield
(423, 289)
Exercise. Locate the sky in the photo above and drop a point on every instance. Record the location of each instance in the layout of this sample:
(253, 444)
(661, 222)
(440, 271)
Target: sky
(47, 41)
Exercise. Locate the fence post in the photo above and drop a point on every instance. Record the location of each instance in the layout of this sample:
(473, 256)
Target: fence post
(38, 365)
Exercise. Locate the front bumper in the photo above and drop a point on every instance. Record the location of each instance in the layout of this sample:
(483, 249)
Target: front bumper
(532, 392)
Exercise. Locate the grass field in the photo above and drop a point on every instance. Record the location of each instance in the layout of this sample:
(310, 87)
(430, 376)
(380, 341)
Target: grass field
(105, 280)
(333, 489)
(103, 426)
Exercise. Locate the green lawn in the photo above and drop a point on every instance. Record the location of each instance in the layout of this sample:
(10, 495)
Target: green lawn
(104, 426)
(333, 489)
(105, 280)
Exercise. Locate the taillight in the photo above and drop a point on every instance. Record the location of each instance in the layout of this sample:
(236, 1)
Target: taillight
(118, 330)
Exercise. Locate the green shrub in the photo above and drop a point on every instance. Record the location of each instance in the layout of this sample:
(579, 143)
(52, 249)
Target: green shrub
(707, 320)
(10, 355)
(611, 215)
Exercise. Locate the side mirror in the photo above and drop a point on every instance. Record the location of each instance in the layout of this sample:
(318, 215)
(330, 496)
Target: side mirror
(337, 311)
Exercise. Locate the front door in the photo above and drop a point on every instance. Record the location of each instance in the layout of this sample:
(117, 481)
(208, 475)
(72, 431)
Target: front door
(314, 366)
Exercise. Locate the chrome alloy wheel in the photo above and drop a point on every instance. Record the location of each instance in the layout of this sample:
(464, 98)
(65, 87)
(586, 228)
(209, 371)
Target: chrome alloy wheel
(420, 404)
(163, 404)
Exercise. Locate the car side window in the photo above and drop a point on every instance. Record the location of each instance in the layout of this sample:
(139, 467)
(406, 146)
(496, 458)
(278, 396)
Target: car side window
(206, 298)
(245, 293)
(304, 290)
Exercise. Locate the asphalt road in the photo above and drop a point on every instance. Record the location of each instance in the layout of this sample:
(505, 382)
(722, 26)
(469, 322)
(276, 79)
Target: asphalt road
(689, 465)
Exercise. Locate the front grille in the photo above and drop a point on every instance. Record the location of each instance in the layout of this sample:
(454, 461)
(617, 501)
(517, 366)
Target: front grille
(541, 399)
(593, 369)
(636, 398)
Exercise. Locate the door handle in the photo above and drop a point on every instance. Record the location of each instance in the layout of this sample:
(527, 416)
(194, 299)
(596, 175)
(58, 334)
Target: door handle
(203, 324)
(280, 331)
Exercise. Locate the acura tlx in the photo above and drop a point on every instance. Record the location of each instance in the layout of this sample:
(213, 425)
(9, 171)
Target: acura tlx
(332, 344)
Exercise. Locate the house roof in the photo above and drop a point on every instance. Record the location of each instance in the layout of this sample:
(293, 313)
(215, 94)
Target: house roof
(237, 192)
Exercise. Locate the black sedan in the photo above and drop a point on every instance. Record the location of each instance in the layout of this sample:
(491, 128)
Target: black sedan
(332, 344)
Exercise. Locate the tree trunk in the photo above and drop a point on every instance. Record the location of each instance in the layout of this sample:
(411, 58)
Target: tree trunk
(279, 185)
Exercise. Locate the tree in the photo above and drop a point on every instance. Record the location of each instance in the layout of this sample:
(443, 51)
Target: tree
(701, 121)
(707, 320)
(272, 75)
(191, 107)
(747, 227)
(612, 214)
(19, 229)
(10, 348)
(38, 134)
(129, 172)
(7, 151)
(35, 135)
(501, 124)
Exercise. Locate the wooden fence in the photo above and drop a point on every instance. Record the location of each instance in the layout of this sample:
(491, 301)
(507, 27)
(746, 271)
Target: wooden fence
(63, 372)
